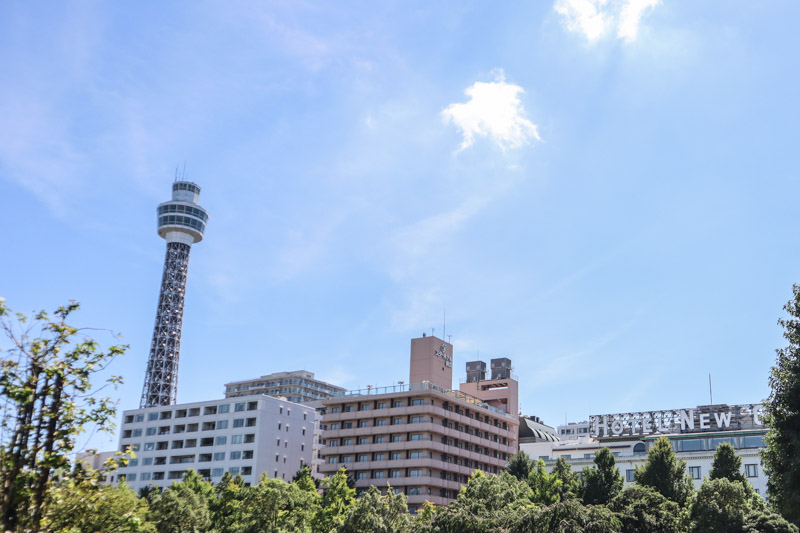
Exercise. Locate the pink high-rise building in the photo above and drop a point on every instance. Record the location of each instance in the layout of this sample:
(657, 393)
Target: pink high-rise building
(421, 438)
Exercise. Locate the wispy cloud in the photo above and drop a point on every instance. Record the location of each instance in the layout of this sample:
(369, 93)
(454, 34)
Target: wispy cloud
(494, 110)
(596, 18)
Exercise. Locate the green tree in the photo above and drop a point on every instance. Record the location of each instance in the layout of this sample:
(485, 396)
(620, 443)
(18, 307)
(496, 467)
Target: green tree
(86, 506)
(720, 507)
(727, 464)
(520, 465)
(665, 473)
(227, 507)
(567, 517)
(337, 497)
(767, 522)
(304, 479)
(546, 487)
(274, 506)
(782, 417)
(643, 510)
(48, 400)
(377, 514)
(569, 479)
(601, 484)
(487, 503)
(179, 509)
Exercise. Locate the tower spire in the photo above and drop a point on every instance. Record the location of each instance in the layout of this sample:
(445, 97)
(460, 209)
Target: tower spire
(181, 222)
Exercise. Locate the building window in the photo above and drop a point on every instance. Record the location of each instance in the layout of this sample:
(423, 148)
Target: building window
(225, 408)
(147, 461)
(379, 457)
(418, 401)
(148, 446)
(239, 407)
(629, 476)
(363, 440)
(397, 420)
(415, 472)
(379, 440)
(145, 476)
(417, 419)
(397, 438)
(138, 418)
(238, 422)
(694, 471)
(396, 473)
(380, 422)
(152, 416)
(222, 424)
(398, 403)
(396, 456)
(347, 442)
(751, 470)
(379, 474)
(219, 456)
(219, 441)
(362, 475)
(639, 449)
(217, 472)
(363, 458)
(381, 405)
(236, 439)
(416, 436)
(331, 460)
(150, 432)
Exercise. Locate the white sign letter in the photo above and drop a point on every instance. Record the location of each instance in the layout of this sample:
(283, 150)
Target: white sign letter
(704, 422)
(723, 419)
(687, 419)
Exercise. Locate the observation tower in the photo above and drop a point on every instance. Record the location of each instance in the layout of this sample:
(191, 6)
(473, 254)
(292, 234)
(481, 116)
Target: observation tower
(181, 222)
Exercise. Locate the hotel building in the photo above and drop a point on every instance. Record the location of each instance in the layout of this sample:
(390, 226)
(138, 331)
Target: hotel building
(423, 438)
(693, 433)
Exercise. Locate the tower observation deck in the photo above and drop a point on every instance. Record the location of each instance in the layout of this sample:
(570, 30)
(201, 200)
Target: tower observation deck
(181, 222)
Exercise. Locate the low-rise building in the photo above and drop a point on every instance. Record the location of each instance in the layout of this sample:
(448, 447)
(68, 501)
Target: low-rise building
(693, 433)
(248, 436)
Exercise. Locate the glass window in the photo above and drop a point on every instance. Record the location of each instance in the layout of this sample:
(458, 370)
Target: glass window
(751, 470)
(415, 472)
(396, 456)
(138, 418)
(718, 441)
(234, 470)
(219, 456)
(239, 407)
(379, 474)
(639, 449)
(380, 439)
(238, 422)
(217, 472)
(222, 424)
(219, 441)
(152, 416)
(692, 445)
(145, 476)
(417, 419)
(694, 471)
(380, 456)
(148, 446)
(418, 401)
(147, 461)
(754, 441)
(224, 408)
(416, 436)
(137, 432)
(629, 476)
(236, 439)
(150, 431)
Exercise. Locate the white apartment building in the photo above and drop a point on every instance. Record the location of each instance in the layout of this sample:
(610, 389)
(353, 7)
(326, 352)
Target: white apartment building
(298, 386)
(693, 433)
(248, 436)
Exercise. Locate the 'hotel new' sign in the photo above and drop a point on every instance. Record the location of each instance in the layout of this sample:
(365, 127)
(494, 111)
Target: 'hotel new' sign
(708, 418)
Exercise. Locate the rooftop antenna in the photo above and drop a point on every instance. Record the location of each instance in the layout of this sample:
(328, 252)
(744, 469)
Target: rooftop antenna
(432, 330)
(450, 339)
(710, 393)
(176, 172)
(183, 174)
(444, 323)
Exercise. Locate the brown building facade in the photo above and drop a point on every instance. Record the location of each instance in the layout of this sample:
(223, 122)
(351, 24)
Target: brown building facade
(422, 439)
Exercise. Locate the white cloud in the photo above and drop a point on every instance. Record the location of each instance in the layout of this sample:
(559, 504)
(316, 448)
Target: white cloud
(593, 18)
(495, 111)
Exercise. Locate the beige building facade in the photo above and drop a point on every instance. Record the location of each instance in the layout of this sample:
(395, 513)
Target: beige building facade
(421, 439)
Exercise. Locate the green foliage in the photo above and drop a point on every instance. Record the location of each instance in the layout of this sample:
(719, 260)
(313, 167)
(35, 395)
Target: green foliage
(377, 514)
(601, 484)
(767, 522)
(782, 416)
(86, 506)
(227, 507)
(485, 504)
(179, 509)
(337, 497)
(276, 506)
(48, 400)
(727, 464)
(569, 479)
(305, 481)
(666, 473)
(720, 506)
(643, 510)
(520, 465)
(546, 487)
(568, 517)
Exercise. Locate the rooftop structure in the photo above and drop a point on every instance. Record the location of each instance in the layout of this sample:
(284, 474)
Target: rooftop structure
(181, 222)
(501, 392)
(298, 386)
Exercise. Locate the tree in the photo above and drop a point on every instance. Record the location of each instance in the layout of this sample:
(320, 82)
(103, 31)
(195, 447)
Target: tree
(48, 397)
(520, 465)
(569, 479)
(227, 507)
(720, 507)
(782, 417)
(487, 503)
(86, 506)
(602, 483)
(643, 510)
(274, 505)
(665, 473)
(377, 514)
(727, 464)
(179, 509)
(304, 479)
(767, 522)
(546, 487)
(337, 497)
(568, 517)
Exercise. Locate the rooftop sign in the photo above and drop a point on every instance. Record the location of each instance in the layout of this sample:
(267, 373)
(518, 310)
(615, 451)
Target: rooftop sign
(699, 420)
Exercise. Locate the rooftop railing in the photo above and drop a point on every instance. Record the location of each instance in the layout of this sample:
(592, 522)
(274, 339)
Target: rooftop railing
(425, 385)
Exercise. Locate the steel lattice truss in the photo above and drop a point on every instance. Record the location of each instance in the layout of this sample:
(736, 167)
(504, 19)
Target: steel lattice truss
(161, 380)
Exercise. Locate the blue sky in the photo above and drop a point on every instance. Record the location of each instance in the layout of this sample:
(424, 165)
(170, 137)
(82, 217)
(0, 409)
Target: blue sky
(604, 192)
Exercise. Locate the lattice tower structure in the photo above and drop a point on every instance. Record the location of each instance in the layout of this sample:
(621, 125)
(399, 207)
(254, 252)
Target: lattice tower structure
(181, 222)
